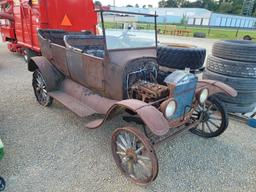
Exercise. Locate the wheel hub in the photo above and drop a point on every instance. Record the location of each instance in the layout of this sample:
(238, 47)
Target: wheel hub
(131, 154)
(205, 116)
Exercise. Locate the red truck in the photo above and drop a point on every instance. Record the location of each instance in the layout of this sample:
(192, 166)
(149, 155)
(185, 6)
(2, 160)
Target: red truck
(21, 19)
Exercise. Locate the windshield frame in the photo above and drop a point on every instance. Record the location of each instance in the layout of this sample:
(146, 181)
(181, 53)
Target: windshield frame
(101, 11)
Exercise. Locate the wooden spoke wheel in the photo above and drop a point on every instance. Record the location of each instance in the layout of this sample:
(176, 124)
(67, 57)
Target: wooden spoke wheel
(40, 91)
(213, 117)
(134, 155)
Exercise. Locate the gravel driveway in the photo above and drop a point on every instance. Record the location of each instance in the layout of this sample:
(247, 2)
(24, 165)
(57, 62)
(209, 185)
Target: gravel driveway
(49, 150)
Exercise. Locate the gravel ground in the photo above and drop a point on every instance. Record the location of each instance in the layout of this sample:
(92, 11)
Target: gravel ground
(48, 149)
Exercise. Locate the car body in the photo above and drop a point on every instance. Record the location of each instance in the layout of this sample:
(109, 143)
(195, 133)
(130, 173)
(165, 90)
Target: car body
(112, 74)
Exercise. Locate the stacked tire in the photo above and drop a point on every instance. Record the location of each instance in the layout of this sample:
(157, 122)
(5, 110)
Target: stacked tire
(181, 56)
(234, 63)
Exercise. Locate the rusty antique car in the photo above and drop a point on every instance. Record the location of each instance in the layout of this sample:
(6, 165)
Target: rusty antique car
(117, 73)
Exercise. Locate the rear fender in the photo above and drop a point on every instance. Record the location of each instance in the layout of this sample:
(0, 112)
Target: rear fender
(153, 118)
(216, 87)
(51, 75)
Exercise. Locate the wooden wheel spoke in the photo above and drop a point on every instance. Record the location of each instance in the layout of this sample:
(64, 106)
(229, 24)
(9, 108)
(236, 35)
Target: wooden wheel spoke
(215, 118)
(207, 124)
(123, 141)
(121, 146)
(121, 153)
(145, 168)
(130, 167)
(128, 140)
(203, 126)
(214, 124)
(138, 162)
(143, 157)
(139, 150)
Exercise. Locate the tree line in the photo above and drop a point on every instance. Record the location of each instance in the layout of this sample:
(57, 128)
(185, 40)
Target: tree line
(221, 6)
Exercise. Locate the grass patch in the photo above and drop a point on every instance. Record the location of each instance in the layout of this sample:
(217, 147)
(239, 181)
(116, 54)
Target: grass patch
(212, 33)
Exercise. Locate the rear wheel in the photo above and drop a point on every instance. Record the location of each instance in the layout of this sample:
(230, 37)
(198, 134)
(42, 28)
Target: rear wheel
(214, 119)
(134, 155)
(40, 90)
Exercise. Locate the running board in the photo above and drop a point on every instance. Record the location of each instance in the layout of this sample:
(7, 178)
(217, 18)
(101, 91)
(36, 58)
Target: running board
(72, 103)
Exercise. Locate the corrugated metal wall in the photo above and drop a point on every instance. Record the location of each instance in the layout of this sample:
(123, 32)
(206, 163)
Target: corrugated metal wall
(194, 16)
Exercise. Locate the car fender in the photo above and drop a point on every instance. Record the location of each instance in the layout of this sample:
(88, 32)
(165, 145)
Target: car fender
(152, 117)
(51, 75)
(216, 87)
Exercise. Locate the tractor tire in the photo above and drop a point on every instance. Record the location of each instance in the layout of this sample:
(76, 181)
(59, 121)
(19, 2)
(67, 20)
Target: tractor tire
(237, 50)
(231, 68)
(199, 35)
(181, 57)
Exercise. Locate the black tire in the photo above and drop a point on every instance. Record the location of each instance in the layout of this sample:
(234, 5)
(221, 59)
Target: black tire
(181, 57)
(28, 54)
(239, 108)
(247, 37)
(40, 89)
(2, 184)
(199, 35)
(244, 98)
(237, 50)
(231, 68)
(238, 83)
(207, 130)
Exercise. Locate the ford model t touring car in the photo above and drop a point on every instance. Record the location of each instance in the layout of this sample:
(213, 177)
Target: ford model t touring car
(117, 73)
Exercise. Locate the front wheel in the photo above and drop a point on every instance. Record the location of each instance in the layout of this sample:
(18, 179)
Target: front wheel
(134, 155)
(213, 117)
(40, 90)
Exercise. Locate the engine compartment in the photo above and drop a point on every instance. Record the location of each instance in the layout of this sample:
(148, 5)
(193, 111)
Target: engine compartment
(148, 91)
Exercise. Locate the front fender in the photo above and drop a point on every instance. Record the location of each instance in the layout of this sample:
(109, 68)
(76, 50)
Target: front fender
(153, 118)
(51, 75)
(216, 87)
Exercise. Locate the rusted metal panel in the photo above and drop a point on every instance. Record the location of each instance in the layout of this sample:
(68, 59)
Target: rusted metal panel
(73, 104)
(93, 68)
(76, 66)
(86, 96)
(152, 117)
(59, 59)
(216, 87)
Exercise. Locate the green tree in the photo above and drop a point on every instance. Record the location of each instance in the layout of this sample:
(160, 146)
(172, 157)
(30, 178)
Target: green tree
(225, 8)
(137, 5)
(150, 6)
(129, 6)
(168, 3)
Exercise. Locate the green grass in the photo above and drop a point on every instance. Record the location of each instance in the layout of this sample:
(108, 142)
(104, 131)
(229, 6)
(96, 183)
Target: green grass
(212, 33)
